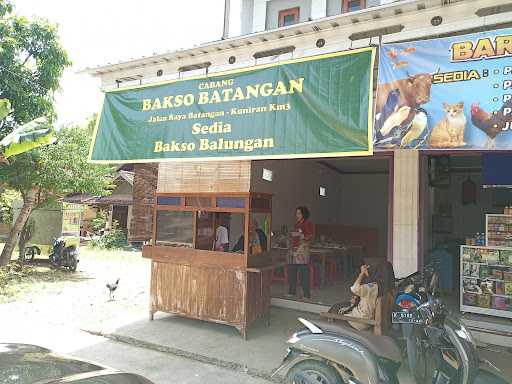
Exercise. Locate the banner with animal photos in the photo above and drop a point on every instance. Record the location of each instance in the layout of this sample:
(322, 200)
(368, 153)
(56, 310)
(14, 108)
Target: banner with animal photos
(449, 93)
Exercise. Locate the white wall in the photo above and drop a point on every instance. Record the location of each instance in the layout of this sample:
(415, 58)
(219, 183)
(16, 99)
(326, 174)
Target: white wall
(275, 6)
(297, 182)
(456, 16)
(246, 17)
(364, 203)
(357, 200)
(333, 7)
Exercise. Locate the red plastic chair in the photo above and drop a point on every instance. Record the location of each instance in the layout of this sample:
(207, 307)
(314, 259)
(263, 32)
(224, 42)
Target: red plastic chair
(283, 278)
(331, 270)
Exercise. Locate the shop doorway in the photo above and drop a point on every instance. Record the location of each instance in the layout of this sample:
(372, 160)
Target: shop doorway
(453, 209)
(120, 216)
(350, 202)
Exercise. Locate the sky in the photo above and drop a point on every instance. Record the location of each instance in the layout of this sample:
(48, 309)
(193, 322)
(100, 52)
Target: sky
(97, 32)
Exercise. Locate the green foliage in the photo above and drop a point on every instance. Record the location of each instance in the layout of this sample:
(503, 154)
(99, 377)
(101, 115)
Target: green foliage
(5, 108)
(31, 63)
(7, 197)
(59, 169)
(99, 222)
(91, 124)
(64, 168)
(115, 239)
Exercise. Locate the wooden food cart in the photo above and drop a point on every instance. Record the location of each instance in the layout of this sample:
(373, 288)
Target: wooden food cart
(191, 279)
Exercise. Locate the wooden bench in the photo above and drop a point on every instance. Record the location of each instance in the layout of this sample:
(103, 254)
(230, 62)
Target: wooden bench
(381, 324)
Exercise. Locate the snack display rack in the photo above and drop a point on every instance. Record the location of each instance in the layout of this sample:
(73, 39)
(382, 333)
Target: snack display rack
(486, 280)
(498, 230)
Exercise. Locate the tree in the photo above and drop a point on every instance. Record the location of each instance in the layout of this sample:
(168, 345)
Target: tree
(49, 173)
(31, 64)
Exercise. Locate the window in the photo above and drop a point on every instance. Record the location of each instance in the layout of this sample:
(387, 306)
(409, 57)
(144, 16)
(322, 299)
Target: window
(168, 200)
(174, 228)
(214, 222)
(208, 231)
(230, 202)
(289, 16)
(194, 201)
(353, 5)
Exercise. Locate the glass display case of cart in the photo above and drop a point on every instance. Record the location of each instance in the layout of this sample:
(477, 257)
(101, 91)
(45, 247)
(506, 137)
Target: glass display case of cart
(486, 280)
(218, 224)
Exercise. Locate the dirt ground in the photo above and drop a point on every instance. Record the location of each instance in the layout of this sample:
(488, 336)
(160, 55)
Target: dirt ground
(82, 297)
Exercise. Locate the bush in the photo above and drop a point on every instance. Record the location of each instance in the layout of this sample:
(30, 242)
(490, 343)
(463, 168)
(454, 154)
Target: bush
(7, 197)
(99, 222)
(115, 239)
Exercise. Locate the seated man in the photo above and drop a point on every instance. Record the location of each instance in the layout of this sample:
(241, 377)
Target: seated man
(257, 236)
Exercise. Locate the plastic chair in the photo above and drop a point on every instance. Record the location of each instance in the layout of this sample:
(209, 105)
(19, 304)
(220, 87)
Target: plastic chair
(284, 277)
(331, 270)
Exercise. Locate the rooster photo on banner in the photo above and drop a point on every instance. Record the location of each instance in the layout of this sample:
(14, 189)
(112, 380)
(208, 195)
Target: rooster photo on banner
(450, 93)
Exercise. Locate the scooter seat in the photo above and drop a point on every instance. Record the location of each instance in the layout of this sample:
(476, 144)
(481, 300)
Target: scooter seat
(383, 346)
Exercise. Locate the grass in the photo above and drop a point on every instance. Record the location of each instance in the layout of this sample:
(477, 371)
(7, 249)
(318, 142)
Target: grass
(118, 255)
(17, 283)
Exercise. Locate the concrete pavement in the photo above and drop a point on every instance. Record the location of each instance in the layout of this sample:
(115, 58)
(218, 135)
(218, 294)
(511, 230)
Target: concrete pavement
(161, 368)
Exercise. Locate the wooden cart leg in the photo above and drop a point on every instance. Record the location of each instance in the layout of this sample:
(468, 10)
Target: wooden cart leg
(243, 331)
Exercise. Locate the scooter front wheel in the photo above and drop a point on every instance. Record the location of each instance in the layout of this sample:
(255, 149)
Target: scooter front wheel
(417, 359)
(313, 372)
(73, 264)
(53, 261)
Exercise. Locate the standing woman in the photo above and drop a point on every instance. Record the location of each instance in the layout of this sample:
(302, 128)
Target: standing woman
(301, 239)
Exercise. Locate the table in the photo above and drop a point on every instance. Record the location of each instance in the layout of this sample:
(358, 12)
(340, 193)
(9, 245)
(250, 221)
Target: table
(265, 271)
(324, 252)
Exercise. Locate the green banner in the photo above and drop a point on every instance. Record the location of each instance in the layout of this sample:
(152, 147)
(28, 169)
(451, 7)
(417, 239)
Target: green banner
(317, 106)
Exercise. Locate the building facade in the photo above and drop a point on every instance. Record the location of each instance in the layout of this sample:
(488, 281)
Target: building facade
(317, 27)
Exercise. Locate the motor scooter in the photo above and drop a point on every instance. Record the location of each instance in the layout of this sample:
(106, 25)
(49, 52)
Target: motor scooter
(64, 256)
(330, 353)
(411, 292)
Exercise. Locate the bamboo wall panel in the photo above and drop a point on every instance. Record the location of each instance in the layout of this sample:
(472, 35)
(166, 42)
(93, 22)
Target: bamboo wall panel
(212, 294)
(204, 176)
(144, 187)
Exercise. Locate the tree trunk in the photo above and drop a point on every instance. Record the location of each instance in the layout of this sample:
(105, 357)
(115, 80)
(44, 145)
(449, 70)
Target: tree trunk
(29, 199)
